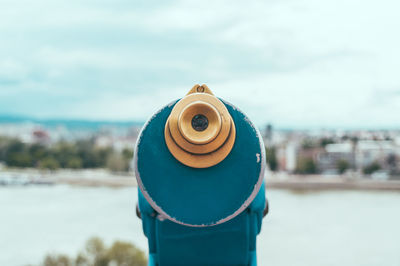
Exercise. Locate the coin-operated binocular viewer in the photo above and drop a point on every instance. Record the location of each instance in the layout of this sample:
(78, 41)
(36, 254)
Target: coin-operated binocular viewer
(199, 164)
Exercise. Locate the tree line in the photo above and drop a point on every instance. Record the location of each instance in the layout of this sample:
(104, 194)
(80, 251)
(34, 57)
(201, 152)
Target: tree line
(74, 155)
(96, 253)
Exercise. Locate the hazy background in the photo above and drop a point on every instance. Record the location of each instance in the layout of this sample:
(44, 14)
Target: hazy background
(303, 63)
(320, 79)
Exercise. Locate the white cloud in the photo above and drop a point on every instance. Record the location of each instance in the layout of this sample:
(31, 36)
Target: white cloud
(295, 63)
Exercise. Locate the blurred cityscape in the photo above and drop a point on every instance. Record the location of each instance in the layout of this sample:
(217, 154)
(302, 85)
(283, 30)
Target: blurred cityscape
(108, 147)
(351, 153)
(92, 157)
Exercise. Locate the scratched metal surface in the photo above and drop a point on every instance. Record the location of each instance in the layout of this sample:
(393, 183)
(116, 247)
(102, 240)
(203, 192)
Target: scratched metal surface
(199, 197)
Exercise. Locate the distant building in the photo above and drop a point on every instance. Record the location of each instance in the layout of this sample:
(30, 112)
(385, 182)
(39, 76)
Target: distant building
(268, 134)
(117, 143)
(291, 157)
(124, 143)
(369, 151)
(41, 136)
(328, 159)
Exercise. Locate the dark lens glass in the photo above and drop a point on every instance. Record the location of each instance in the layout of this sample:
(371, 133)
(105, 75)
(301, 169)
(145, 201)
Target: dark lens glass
(199, 122)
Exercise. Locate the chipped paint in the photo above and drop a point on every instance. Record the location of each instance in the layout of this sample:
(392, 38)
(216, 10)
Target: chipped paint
(171, 104)
(258, 157)
(163, 215)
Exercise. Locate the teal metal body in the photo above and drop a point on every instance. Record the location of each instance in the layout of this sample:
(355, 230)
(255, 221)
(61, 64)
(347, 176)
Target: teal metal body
(229, 243)
(205, 216)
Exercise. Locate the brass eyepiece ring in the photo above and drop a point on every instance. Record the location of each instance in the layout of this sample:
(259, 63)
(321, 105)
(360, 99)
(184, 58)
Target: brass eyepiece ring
(200, 132)
(206, 112)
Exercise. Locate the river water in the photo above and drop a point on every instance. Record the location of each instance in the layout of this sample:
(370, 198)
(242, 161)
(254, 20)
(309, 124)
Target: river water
(303, 229)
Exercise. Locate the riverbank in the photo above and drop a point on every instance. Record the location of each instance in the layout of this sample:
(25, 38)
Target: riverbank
(331, 183)
(86, 177)
(103, 177)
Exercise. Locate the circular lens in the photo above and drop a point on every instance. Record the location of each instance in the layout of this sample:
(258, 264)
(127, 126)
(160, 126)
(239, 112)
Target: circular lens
(199, 122)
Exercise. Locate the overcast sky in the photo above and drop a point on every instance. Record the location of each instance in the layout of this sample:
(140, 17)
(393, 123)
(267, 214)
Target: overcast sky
(293, 63)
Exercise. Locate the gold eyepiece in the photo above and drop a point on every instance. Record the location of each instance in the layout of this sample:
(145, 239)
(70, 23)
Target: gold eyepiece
(199, 122)
(200, 132)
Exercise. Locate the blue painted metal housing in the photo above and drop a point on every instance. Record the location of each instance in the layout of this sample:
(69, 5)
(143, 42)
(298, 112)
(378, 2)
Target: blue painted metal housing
(207, 216)
(229, 243)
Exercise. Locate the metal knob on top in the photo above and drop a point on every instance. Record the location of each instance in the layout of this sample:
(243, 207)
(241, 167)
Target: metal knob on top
(200, 132)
